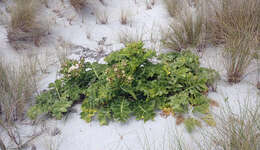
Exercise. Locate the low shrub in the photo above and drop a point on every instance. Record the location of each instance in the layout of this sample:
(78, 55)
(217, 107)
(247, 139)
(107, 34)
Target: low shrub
(130, 84)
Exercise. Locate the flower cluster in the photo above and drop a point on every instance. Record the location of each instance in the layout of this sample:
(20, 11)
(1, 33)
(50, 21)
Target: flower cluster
(74, 67)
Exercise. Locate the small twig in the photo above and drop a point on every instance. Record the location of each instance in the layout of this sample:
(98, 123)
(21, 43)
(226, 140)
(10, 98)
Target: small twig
(2, 145)
(16, 138)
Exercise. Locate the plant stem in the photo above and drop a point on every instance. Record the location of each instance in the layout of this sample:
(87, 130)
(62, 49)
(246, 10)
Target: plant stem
(2, 145)
(95, 71)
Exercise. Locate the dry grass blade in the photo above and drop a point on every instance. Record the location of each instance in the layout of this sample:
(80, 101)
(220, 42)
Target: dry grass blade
(2, 145)
(258, 85)
(174, 7)
(17, 139)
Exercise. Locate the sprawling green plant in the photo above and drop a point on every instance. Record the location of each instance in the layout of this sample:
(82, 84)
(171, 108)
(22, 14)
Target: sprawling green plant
(130, 84)
(64, 92)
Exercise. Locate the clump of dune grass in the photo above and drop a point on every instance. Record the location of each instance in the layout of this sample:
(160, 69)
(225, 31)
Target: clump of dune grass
(23, 15)
(236, 24)
(78, 4)
(102, 16)
(187, 32)
(125, 17)
(238, 54)
(236, 131)
(174, 7)
(129, 35)
(231, 16)
(62, 51)
(24, 25)
(17, 87)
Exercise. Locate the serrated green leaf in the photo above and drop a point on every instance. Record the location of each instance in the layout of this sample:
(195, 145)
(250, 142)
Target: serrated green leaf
(104, 115)
(121, 110)
(145, 111)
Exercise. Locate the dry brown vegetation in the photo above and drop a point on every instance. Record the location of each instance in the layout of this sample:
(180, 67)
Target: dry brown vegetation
(231, 16)
(186, 33)
(78, 4)
(23, 15)
(124, 17)
(238, 54)
(129, 35)
(236, 24)
(17, 87)
(174, 7)
(24, 25)
(102, 16)
(236, 131)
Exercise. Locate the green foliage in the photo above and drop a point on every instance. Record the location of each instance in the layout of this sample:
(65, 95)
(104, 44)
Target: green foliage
(191, 123)
(209, 120)
(51, 101)
(64, 92)
(130, 84)
(121, 110)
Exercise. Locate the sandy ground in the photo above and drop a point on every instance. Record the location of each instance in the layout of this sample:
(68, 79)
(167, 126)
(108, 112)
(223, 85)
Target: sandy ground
(76, 134)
